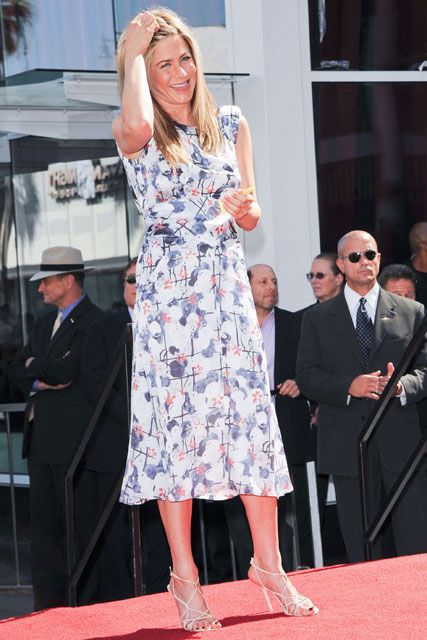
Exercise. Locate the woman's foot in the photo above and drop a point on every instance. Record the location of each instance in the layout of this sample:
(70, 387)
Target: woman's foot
(192, 608)
(278, 584)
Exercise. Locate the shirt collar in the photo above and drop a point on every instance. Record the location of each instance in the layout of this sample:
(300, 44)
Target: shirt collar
(353, 299)
(268, 319)
(67, 310)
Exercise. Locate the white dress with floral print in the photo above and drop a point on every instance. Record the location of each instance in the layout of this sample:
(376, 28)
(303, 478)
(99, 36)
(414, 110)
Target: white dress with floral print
(203, 425)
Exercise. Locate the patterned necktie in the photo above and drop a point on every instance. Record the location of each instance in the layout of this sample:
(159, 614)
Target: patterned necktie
(364, 330)
(57, 323)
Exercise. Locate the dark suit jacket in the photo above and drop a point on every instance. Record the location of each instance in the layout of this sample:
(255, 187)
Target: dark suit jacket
(292, 413)
(329, 358)
(59, 416)
(108, 446)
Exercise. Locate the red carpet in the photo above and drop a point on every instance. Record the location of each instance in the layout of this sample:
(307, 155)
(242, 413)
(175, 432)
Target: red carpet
(377, 600)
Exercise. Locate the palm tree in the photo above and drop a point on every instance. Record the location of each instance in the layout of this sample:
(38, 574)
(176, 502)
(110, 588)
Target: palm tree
(15, 16)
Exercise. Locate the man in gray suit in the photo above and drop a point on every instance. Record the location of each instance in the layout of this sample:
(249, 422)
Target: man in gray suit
(348, 349)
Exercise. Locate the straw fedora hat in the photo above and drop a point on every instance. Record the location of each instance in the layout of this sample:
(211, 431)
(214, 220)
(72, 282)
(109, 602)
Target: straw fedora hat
(57, 260)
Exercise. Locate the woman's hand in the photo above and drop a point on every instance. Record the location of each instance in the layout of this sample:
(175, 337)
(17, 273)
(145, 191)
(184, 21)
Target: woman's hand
(139, 33)
(238, 203)
(242, 205)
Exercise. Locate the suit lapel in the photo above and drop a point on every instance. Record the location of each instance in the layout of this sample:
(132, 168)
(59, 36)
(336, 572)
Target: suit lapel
(282, 338)
(340, 318)
(69, 323)
(45, 333)
(384, 318)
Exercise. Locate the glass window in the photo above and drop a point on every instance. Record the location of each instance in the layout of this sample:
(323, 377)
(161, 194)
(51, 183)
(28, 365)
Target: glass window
(196, 13)
(11, 338)
(136, 226)
(8, 574)
(71, 193)
(71, 34)
(206, 18)
(368, 35)
(371, 161)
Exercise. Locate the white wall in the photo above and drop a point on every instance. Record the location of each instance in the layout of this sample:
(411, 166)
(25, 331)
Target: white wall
(270, 41)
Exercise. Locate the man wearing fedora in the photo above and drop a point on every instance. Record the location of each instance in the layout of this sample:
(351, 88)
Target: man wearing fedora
(47, 371)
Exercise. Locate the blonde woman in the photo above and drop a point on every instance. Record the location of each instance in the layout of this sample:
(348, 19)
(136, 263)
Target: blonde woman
(203, 425)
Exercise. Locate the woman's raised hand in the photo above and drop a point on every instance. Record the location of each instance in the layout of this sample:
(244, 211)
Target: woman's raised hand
(238, 202)
(139, 33)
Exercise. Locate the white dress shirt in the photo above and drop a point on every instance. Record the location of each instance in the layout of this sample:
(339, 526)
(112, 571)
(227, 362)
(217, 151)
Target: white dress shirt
(353, 300)
(268, 330)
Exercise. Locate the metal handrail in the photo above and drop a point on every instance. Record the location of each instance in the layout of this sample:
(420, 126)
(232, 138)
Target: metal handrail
(76, 565)
(7, 409)
(372, 526)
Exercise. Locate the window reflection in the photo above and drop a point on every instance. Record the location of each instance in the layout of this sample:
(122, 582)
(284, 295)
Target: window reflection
(374, 34)
(196, 13)
(10, 310)
(71, 193)
(58, 35)
(206, 18)
(371, 161)
(16, 18)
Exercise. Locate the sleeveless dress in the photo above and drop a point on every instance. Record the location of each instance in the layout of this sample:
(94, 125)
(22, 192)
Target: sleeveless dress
(203, 424)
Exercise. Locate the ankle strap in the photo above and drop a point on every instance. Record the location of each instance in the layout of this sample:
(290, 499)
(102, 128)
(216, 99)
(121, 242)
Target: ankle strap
(271, 573)
(193, 582)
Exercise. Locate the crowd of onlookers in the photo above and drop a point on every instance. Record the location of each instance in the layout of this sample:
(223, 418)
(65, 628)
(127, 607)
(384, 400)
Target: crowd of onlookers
(59, 373)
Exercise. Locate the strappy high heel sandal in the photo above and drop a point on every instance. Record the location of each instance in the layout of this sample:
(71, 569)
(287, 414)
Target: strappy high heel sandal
(292, 602)
(190, 616)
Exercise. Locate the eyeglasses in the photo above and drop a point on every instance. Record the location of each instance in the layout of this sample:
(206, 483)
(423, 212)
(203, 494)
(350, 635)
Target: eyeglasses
(354, 257)
(318, 275)
(131, 278)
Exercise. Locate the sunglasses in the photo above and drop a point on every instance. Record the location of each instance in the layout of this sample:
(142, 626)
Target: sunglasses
(318, 275)
(131, 278)
(354, 257)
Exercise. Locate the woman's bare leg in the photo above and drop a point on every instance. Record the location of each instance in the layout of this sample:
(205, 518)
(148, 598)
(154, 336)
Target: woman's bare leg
(261, 512)
(176, 518)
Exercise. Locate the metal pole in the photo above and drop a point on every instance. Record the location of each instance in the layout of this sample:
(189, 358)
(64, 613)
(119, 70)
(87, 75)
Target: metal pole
(106, 385)
(314, 514)
(12, 498)
(203, 541)
(404, 477)
(233, 557)
(136, 548)
(291, 519)
(373, 420)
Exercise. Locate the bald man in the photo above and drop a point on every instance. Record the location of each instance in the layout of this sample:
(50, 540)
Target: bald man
(348, 349)
(418, 261)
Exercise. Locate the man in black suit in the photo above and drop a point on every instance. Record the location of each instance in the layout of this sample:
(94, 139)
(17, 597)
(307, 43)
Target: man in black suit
(348, 348)
(105, 463)
(281, 332)
(47, 371)
(418, 259)
(401, 280)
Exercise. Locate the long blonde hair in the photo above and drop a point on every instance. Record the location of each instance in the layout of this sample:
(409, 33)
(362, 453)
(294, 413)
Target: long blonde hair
(203, 108)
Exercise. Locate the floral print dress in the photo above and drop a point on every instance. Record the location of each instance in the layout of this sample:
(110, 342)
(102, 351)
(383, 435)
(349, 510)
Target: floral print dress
(203, 424)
